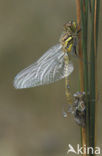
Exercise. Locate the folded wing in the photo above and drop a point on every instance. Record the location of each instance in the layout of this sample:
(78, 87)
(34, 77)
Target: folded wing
(48, 69)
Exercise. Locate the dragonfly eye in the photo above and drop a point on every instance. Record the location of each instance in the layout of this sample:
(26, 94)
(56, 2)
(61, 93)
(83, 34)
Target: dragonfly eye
(69, 26)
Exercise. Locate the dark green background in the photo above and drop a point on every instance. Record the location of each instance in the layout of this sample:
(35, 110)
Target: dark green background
(31, 120)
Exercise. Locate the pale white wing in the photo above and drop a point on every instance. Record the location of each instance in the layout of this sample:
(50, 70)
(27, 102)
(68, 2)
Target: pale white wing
(48, 69)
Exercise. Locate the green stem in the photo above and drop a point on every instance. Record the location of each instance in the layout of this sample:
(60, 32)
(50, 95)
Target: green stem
(92, 83)
(92, 80)
(84, 18)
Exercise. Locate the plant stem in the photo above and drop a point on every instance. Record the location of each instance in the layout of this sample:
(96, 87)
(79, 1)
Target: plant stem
(93, 71)
(92, 82)
(83, 130)
(88, 134)
(84, 19)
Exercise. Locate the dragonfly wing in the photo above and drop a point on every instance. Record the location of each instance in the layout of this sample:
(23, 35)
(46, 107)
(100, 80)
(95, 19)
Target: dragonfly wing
(48, 69)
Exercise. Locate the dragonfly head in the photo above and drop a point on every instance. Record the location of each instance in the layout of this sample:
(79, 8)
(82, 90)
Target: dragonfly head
(70, 26)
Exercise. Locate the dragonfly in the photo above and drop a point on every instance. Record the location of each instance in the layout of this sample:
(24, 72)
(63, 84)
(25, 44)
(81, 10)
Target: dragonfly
(54, 64)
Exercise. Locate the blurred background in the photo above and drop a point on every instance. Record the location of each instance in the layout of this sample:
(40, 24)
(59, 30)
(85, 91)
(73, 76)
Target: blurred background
(31, 120)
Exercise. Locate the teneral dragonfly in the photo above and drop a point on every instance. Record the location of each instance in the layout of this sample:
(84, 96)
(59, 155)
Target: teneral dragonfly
(54, 64)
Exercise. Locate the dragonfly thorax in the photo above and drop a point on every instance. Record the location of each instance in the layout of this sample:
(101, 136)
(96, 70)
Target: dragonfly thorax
(67, 42)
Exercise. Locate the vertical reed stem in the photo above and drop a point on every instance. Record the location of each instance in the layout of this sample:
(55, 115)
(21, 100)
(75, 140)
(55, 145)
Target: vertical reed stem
(88, 134)
(93, 72)
(84, 23)
(83, 130)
